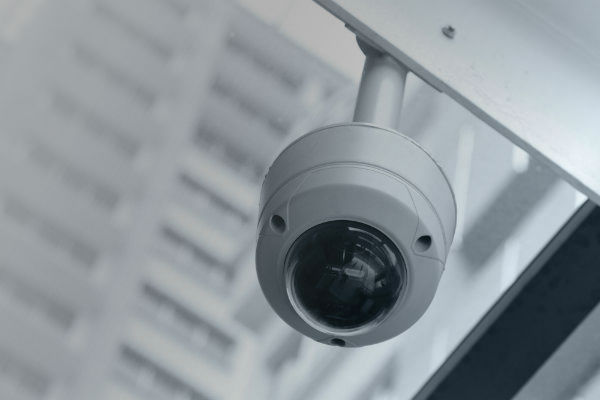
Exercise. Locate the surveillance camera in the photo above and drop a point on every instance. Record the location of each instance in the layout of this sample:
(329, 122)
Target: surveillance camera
(355, 225)
(356, 221)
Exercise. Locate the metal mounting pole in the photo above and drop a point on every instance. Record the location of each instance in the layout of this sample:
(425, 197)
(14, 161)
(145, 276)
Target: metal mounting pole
(381, 89)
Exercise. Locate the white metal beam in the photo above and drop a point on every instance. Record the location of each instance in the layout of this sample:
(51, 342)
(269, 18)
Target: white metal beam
(531, 70)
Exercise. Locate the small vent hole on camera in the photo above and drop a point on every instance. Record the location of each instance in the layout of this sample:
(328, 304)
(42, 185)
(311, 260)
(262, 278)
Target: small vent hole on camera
(278, 223)
(423, 243)
(338, 342)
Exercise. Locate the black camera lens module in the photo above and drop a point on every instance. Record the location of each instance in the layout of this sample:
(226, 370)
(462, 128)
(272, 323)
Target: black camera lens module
(344, 275)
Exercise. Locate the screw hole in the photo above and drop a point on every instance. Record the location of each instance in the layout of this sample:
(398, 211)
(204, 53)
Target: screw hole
(423, 243)
(278, 223)
(449, 31)
(338, 342)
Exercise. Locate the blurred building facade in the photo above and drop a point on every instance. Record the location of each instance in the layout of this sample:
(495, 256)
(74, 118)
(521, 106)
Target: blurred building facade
(134, 136)
(135, 139)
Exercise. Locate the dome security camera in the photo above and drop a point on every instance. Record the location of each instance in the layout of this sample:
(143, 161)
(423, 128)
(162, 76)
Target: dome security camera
(356, 221)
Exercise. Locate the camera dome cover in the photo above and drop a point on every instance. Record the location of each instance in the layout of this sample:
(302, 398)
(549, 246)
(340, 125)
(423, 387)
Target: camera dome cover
(344, 275)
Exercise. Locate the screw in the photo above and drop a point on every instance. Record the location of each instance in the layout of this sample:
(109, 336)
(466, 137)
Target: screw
(449, 31)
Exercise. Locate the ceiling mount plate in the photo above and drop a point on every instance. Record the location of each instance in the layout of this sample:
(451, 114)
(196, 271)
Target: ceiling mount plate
(529, 69)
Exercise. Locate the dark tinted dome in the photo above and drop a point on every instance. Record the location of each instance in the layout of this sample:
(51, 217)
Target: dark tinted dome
(345, 274)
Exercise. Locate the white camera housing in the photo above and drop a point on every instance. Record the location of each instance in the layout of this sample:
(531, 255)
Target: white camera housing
(372, 176)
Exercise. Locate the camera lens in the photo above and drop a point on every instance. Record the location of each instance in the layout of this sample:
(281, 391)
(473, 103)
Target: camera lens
(344, 275)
